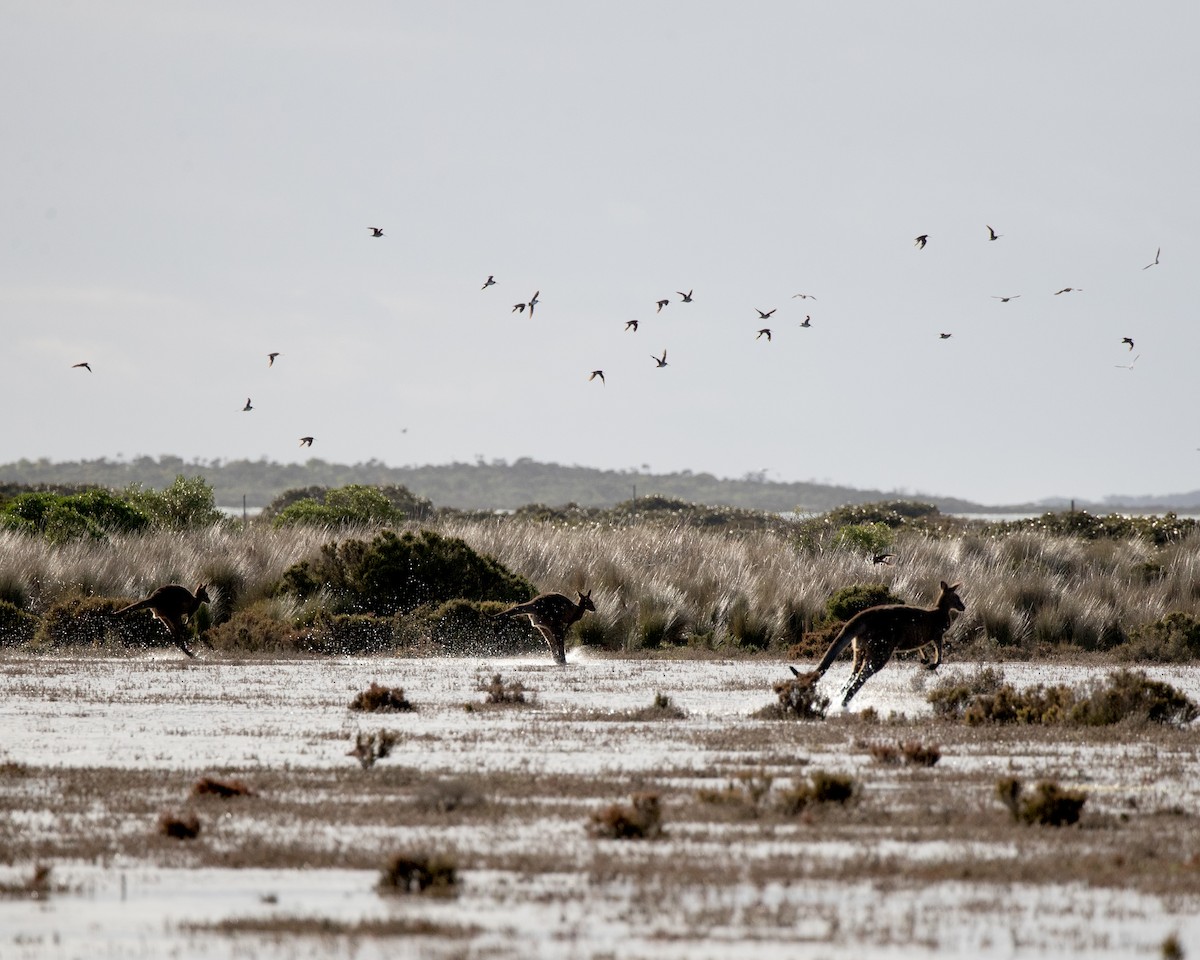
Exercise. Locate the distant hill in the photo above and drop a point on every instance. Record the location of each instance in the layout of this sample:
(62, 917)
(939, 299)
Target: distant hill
(499, 485)
(496, 485)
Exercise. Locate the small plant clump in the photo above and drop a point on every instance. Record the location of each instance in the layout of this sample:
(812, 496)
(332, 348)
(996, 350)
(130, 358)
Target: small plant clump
(418, 873)
(370, 747)
(179, 827)
(497, 692)
(1051, 805)
(822, 787)
(798, 700)
(663, 708)
(911, 752)
(38, 886)
(1171, 948)
(380, 699)
(208, 786)
(642, 820)
(745, 794)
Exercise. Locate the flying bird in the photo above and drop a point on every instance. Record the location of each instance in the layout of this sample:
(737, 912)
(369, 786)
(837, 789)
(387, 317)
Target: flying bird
(271, 358)
(533, 302)
(1155, 263)
(803, 296)
(631, 325)
(767, 315)
(883, 558)
(247, 407)
(1129, 365)
(87, 366)
(687, 297)
(306, 441)
(518, 308)
(376, 231)
(1128, 340)
(489, 282)
(1006, 299)
(661, 304)
(597, 373)
(662, 362)
(921, 241)
(807, 320)
(765, 331)
(1069, 290)
(945, 336)
(992, 234)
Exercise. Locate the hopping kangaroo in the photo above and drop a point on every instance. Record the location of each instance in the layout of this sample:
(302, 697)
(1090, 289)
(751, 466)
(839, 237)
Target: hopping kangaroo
(171, 604)
(878, 632)
(552, 614)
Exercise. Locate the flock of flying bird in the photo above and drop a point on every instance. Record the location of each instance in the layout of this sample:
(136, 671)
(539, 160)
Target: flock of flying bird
(661, 361)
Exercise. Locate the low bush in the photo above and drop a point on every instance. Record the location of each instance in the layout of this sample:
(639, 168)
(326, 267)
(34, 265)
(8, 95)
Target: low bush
(1051, 805)
(418, 873)
(746, 794)
(912, 752)
(954, 692)
(821, 787)
(370, 747)
(17, 628)
(351, 634)
(1174, 638)
(641, 820)
(499, 693)
(1124, 696)
(211, 787)
(257, 629)
(798, 700)
(77, 621)
(470, 628)
(179, 826)
(848, 601)
(380, 699)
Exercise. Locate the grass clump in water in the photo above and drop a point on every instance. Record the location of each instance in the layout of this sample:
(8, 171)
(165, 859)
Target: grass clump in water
(211, 787)
(380, 699)
(179, 826)
(641, 820)
(822, 787)
(369, 747)
(418, 873)
(1051, 805)
(798, 700)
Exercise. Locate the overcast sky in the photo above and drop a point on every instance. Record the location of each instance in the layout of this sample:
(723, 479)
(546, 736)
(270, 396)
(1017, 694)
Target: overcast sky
(186, 187)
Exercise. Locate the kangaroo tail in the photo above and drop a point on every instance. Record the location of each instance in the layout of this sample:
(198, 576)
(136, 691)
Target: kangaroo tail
(140, 605)
(840, 643)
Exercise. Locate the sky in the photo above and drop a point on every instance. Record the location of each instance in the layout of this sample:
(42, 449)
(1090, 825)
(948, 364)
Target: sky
(187, 187)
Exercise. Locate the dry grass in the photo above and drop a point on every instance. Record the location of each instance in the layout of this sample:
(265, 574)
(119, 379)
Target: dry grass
(640, 820)
(179, 826)
(425, 873)
(210, 787)
(657, 586)
(380, 699)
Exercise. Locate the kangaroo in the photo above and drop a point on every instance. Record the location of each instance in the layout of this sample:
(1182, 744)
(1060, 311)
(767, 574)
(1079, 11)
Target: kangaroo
(878, 632)
(171, 604)
(552, 615)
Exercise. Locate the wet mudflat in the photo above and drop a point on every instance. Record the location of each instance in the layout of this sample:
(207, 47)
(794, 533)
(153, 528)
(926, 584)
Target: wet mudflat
(922, 860)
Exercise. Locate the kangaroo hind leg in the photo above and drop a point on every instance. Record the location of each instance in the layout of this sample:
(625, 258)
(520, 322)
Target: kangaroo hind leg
(557, 647)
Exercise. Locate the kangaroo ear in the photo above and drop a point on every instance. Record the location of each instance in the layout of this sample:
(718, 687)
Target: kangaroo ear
(945, 586)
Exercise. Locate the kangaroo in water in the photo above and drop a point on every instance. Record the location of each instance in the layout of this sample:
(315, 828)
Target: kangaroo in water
(552, 614)
(171, 604)
(878, 632)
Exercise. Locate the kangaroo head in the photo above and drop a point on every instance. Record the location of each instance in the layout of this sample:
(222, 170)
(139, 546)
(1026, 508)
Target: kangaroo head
(585, 601)
(950, 598)
(202, 593)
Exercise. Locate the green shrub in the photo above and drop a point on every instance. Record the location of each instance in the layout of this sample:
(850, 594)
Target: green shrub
(16, 626)
(394, 574)
(848, 601)
(59, 519)
(1131, 695)
(1174, 638)
(871, 538)
(187, 503)
(351, 505)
